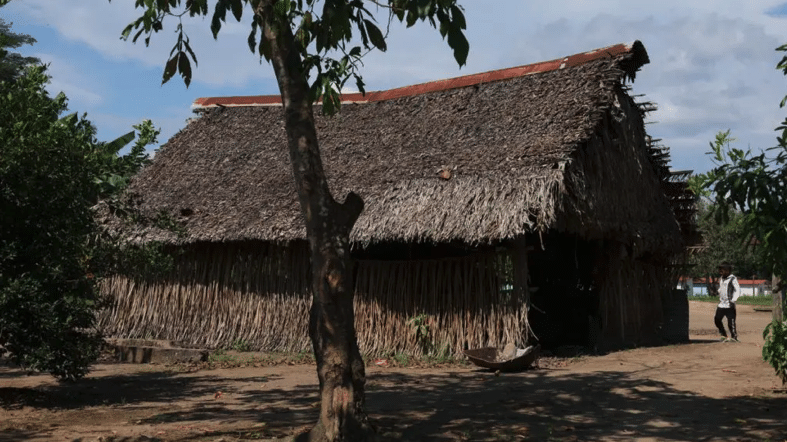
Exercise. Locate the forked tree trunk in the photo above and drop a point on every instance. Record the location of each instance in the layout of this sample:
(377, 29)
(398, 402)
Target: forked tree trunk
(340, 367)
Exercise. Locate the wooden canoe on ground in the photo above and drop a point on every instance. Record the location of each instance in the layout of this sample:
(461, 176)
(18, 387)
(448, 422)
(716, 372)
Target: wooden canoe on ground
(496, 359)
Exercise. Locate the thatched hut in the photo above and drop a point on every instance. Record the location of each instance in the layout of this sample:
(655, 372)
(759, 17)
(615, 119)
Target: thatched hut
(519, 204)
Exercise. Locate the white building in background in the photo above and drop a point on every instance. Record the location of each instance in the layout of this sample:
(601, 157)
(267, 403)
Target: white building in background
(749, 287)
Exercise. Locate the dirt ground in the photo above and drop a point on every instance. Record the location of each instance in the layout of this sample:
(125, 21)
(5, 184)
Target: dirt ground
(702, 391)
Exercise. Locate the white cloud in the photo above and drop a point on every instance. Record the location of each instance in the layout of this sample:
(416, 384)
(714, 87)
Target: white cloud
(69, 79)
(98, 24)
(712, 63)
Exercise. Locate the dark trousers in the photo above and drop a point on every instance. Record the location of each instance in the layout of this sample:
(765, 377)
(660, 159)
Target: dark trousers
(730, 314)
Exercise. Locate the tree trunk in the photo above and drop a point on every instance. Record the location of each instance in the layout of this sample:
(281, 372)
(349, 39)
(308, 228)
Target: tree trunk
(778, 299)
(340, 367)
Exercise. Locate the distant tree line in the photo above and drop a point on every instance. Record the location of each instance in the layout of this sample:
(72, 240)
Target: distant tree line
(727, 241)
(755, 185)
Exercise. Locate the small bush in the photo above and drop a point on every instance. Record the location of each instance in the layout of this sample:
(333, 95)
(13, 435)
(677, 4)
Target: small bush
(774, 351)
(240, 345)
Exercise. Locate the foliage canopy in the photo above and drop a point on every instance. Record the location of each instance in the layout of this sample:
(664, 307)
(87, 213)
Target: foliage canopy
(727, 241)
(52, 172)
(756, 184)
(332, 36)
(47, 295)
(11, 63)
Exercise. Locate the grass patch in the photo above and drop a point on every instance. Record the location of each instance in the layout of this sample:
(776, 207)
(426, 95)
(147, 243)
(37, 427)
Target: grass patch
(222, 358)
(743, 300)
(240, 345)
(403, 360)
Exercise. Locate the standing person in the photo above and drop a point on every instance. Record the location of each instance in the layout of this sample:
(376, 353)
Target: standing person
(729, 291)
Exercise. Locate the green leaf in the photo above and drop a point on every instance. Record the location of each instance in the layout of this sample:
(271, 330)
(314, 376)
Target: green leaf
(282, 7)
(252, 40)
(412, 17)
(219, 15)
(126, 31)
(136, 36)
(169, 69)
(265, 49)
(331, 102)
(359, 84)
(399, 12)
(184, 66)
(458, 17)
(237, 9)
(458, 42)
(424, 7)
(115, 145)
(197, 7)
(375, 35)
(188, 48)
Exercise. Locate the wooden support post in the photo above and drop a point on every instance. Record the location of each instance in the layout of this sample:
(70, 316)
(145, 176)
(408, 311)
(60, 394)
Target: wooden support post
(521, 294)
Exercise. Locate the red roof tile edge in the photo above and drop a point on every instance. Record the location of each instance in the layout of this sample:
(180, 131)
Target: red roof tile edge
(740, 281)
(438, 85)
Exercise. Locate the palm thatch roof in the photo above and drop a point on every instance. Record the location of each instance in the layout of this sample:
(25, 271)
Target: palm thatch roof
(476, 159)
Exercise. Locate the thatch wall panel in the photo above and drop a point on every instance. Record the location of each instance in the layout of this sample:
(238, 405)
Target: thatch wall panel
(259, 295)
(465, 302)
(217, 296)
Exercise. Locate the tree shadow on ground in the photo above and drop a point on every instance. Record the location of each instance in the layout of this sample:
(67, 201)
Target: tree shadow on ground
(168, 397)
(583, 407)
(536, 405)
(121, 389)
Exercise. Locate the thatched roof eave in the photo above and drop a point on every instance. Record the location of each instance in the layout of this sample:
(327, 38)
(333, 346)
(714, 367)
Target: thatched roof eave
(506, 143)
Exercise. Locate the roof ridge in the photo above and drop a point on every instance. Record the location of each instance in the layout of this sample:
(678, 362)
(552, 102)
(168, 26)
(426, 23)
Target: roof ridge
(636, 48)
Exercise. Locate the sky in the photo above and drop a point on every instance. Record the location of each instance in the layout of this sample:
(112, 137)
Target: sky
(712, 64)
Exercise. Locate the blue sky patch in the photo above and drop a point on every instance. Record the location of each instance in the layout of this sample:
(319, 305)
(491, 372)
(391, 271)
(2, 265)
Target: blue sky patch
(711, 63)
(777, 11)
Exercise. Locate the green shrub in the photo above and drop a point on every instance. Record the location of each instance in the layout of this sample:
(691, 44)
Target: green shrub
(774, 351)
(53, 171)
(240, 345)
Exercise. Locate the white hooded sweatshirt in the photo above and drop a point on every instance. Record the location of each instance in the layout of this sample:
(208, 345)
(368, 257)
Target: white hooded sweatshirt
(729, 291)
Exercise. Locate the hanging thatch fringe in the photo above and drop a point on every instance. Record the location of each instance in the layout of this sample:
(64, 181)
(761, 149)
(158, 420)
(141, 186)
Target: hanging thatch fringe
(259, 295)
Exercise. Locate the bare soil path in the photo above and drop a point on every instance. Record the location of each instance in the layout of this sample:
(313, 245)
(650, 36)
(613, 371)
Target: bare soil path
(702, 391)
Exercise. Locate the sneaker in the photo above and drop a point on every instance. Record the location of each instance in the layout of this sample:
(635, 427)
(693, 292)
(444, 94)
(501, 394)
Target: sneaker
(724, 339)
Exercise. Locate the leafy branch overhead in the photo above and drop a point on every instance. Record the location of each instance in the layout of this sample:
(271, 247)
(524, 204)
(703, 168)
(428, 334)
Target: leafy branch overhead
(755, 184)
(332, 41)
